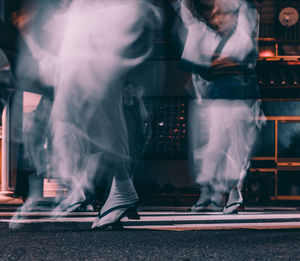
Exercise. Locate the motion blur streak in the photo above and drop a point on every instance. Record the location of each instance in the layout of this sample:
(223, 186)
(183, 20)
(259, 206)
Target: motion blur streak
(87, 49)
(220, 50)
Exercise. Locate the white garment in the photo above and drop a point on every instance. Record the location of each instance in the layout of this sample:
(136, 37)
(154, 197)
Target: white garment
(202, 41)
(90, 132)
(223, 133)
(88, 53)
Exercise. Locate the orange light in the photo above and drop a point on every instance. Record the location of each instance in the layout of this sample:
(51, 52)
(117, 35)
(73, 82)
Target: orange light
(266, 54)
(293, 63)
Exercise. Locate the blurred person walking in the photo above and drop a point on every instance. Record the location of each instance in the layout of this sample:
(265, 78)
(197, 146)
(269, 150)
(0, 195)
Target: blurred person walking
(220, 51)
(100, 42)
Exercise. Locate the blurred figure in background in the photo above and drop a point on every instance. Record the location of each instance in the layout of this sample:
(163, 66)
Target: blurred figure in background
(7, 86)
(220, 51)
(35, 75)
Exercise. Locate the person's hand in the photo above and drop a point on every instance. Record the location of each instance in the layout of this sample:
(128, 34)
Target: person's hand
(224, 65)
(22, 19)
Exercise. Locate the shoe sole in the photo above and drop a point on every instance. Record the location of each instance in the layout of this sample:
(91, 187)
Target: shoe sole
(114, 226)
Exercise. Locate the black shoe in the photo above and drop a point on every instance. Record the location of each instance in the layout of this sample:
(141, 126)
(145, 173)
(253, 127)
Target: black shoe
(133, 214)
(115, 226)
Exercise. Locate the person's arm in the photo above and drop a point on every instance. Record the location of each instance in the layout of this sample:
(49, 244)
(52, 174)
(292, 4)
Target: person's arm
(185, 10)
(46, 60)
(188, 4)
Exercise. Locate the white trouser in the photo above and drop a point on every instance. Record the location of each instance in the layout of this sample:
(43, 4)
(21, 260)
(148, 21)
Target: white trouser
(223, 133)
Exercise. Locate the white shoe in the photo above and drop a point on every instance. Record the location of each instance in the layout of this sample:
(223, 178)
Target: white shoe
(111, 219)
(75, 199)
(204, 201)
(121, 201)
(16, 221)
(235, 200)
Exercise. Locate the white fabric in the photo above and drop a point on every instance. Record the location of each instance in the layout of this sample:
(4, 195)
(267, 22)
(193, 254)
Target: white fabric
(87, 114)
(223, 133)
(122, 193)
(202, 41)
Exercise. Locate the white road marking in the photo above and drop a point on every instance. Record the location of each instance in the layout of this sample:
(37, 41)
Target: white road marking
(51, 220)
(173, 227)
(219, 217)
(148, 217)
(189, 227)
(176, 216)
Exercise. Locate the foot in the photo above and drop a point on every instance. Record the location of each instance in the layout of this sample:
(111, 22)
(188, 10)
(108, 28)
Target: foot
(113, 216)
(201, 206)
(217, 202)
(16, 221)
(235, 200)
(122, 201)
(204, 201)
(232, 208)
(215, 207)
(113, 226)
(74, 200)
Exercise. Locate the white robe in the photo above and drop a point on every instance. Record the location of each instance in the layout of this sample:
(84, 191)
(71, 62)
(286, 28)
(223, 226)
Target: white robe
(222, 131)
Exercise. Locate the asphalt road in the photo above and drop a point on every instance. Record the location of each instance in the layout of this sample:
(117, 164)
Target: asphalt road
(75, 241)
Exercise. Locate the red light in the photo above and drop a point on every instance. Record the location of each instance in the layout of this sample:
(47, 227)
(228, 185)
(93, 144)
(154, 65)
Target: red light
(293, 63)
(266, 54)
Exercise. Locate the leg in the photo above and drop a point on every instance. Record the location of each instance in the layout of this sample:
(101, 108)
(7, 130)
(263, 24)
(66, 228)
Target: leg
(209, 153)
(244, 128)
(121, 201)
(234, 201)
